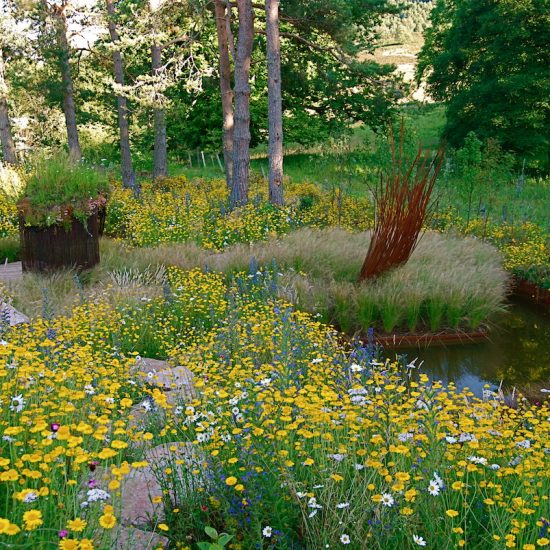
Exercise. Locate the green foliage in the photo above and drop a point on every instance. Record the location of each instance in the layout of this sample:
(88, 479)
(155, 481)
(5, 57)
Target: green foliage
(58, 189)
(488, 61)
(9, 249)
(219, 540)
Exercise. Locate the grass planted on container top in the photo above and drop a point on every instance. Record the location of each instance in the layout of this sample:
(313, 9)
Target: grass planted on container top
(58, 186)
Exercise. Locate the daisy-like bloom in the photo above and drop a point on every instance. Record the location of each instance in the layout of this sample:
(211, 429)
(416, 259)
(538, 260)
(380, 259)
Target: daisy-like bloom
(77, 525)
(267, 531)
(344, 539)
(342, 505)
(387, 499)
(419, 540)
(107, 521)
(434, 488)
(32, 519)
(438, 480)
(17, 403)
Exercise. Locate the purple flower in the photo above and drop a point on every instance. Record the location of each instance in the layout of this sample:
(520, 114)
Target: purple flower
(54, 426)
(62, 534)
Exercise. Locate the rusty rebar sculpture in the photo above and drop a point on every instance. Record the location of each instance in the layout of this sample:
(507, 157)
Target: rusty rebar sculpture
(402, 199)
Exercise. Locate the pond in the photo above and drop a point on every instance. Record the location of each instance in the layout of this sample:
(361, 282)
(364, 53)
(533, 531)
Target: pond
(517, 353)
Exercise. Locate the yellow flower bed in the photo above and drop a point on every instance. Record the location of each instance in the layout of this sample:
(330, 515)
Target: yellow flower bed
(179, 210)
(306, 442)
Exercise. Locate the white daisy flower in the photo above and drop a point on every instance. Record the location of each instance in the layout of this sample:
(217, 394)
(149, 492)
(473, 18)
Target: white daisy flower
(434, 488)
(419, 540)
(17, 403)
(267, 531)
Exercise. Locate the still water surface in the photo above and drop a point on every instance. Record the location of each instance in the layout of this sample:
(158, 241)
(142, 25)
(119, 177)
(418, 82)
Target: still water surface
(517, 353)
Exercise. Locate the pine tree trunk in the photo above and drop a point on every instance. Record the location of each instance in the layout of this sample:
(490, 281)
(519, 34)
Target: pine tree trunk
(241, 145)
(69, 108)
(160, 154)
(275, 106)
(128, 174)
(222, 16)
(8, 147)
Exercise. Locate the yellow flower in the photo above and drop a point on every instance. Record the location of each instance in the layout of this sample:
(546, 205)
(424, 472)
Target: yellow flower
(543, 542)
(452, 513)
(32, 519)
(107, 521)
(77, 525)
(68, 544)
(231, 480)
(163, 527)
(86, 544)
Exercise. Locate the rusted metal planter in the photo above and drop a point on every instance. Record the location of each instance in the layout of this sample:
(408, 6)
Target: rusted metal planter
(72, 244)
(532, 292)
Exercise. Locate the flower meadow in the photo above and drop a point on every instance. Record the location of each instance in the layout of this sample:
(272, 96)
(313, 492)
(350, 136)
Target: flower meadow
(180, 210)
(297, 439)
(176, 210)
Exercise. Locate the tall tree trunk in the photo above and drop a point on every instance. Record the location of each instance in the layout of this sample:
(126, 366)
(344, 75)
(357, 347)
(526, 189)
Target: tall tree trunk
(222, 20)
(275, 109)
(241, 146)
(69, 108)
(128, 174)
(160, 155)
(8, 147)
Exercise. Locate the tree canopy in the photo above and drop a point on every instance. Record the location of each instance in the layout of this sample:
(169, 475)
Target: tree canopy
(489, 61)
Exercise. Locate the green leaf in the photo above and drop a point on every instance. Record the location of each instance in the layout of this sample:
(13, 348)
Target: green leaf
(224, 539)
(211, 532)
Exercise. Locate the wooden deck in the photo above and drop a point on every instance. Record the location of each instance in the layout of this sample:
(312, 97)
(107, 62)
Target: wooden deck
(11, 271)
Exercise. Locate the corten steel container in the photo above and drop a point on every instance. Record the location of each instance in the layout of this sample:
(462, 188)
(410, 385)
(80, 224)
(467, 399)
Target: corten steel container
(72, 244)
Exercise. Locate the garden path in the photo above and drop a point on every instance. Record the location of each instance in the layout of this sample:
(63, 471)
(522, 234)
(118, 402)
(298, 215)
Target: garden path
(142, 489)
(11, 271)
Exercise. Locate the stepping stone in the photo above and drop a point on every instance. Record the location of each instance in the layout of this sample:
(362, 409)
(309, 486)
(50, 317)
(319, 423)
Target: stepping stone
(130, 538)
(10, 314)
(169, 454)
(138, 489)
(141, 486)
(177, 380)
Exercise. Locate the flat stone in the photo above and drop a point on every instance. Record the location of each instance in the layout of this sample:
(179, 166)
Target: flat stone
(130, 538)
(177, 380)
(138, 489)
(146, 366)
(182, 458)
(9, 313)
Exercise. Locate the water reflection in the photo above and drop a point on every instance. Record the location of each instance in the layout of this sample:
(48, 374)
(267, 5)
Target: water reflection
(517, 353)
